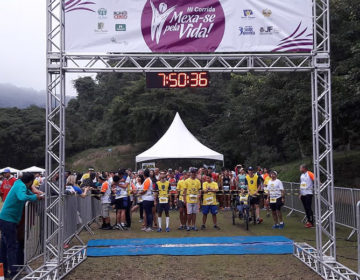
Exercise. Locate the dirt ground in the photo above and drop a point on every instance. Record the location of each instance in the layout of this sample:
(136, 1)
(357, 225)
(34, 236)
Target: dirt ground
(199, 267)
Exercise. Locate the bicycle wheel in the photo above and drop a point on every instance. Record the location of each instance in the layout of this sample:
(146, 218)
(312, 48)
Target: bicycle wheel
(246, 217)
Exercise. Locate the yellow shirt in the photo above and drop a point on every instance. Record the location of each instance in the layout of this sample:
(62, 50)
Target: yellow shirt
(180, 188)
(266, 182)
(163, 188)
(209, 198)
(252, 184)
(192, 190)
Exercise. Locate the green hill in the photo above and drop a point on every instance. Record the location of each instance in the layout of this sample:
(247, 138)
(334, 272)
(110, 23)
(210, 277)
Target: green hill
(346, 166)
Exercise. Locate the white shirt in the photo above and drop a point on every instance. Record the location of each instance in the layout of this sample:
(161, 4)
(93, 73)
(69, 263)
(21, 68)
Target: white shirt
(149, 196)
(120, 192)
(274, 188)
(306, 184)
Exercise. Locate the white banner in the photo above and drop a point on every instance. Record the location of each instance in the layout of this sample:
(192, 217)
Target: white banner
(148, 165)
(188, 26)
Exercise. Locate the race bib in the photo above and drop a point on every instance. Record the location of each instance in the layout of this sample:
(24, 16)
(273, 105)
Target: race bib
(193, 197)
(272, 200)
(163, 200)
(210, 200)
(303, 186)
(140, 199)
(244, 199)
(226, 188)
(173, 188)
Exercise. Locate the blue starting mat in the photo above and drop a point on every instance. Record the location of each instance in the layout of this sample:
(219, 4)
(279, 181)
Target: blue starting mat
(191, 246)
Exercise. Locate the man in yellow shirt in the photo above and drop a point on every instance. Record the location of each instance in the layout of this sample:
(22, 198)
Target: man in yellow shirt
(162, 200)
(253, 183)
(180, 200)
(191, 196)
(209, 204)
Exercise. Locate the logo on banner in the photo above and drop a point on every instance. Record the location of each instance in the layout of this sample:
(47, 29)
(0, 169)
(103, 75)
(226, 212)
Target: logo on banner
(268, 30)
(246, 30)
(183, 25)
(102, 12)
(120, 15)
(120, 27)
(266, 12)
(101, 28)
(248, 14)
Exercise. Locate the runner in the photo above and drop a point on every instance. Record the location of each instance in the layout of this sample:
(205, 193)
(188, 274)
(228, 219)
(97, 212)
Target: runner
(121, 202)
(306, 193)
(162, 200)
(276, 198)
(181, 204)
(191, 196)
(253, 183)
(105, 203)
(148, 201)
(241, 179)
(137, 188)
(173, 190)
(266, 178)
(226, 182)
(209, 204)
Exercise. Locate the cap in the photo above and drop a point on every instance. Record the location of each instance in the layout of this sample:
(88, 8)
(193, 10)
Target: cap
(193, 170)
(6, 170)
(102, 178)
(91, 169)
(250, 168)
(274, 172)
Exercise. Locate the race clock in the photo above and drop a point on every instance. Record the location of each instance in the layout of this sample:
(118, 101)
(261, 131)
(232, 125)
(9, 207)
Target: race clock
(177, 79)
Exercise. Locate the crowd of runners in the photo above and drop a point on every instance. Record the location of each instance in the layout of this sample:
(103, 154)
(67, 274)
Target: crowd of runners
(153, 193)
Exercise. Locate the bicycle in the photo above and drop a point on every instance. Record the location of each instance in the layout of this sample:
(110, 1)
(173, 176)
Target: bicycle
(243, 201)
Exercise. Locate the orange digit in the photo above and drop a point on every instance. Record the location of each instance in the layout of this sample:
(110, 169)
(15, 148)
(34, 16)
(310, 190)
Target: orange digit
(172, 80)
(163, 78)
(203, 81)
(194, 79)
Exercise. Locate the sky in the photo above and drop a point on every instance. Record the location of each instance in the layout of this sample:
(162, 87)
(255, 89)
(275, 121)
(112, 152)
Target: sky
(23, 44)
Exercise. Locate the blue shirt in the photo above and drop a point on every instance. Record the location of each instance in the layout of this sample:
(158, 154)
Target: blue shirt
(15, 202)
(77, 190)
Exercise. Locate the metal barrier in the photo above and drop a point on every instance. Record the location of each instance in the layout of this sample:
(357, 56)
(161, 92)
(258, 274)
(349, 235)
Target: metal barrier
(78, 214)
(344, 199)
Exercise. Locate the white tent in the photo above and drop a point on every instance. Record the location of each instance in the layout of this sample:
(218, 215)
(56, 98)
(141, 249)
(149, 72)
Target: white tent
(34, 169)
(178, 142)
(12, 170)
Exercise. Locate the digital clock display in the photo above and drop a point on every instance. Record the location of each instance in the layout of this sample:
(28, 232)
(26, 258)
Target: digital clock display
(177, 79)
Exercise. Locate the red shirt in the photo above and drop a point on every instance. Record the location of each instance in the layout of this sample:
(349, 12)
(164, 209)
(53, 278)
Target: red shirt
(6, 187)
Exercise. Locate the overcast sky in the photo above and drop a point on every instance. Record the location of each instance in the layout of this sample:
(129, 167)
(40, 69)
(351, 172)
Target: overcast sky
(23, 44)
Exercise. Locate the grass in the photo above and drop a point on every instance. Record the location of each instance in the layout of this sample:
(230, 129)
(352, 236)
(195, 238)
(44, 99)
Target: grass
(211, 267)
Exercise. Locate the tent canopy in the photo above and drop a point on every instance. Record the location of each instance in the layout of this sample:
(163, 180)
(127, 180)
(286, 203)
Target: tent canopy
(178, 142)
(12, 170)
(34, 169)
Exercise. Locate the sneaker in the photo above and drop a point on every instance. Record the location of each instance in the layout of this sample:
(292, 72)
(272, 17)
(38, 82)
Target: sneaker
(118, 227)
(309, 225)
(203, 227)
(167, 229)
(181, 227)
(188, 228)
(103, 226)
(159, 230)
(282, 225)
(149, 230)
(141, 220)
(216, 227)
(108, 227)
(195, 229)
(259, 221)
(143, 228)
(275, 226)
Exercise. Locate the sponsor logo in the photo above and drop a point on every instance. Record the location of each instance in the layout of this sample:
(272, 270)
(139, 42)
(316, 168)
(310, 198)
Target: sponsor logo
(183, 26)
(246, 30)
(266, 12)
(248, 14)
(102, 12)
(116, 41)
(100, 28)
(120, 15)
(120, 27)
(268, 30)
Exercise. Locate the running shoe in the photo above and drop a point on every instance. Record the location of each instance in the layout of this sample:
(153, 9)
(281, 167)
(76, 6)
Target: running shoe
(309, 225)
(143, 228)
(181, 227)
(149, 230)
(275, 226)
(195, 229)
(259, 221)
(216, 227)
(281, 226)
(188, 228)
(159, 230)
(141, 220)
(167, 229)
(203, 227)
